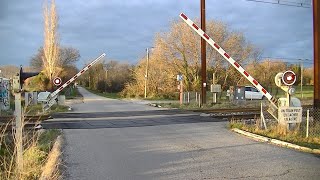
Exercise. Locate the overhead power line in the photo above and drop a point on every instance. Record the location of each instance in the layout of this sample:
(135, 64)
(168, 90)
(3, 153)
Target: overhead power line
(284, 3)
(286, 58)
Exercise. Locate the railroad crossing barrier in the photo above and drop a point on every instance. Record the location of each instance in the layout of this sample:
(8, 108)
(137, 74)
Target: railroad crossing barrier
(51, 99)
(286, 115)
(228, 58)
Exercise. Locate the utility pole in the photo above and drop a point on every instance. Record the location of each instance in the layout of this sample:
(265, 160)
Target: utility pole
(17, 83)
(203, 53)
(146, 75)
(301, 73)
(316, 47)
(19, 127)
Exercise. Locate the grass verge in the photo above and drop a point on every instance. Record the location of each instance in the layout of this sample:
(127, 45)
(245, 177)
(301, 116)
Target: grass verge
(37, 109)
(72, 93)
(221, 105)
(105, 94)
(36, 146)
(296, 136)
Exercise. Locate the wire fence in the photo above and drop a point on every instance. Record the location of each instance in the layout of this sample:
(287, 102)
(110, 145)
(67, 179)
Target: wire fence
(308, 128)
(311, 123)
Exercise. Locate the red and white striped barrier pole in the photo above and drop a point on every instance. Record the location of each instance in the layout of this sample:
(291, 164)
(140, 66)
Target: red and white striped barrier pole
(77, 75)
(229, 59)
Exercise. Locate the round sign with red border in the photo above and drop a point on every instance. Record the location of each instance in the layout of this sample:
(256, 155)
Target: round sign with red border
(289, 78)
(57, 81)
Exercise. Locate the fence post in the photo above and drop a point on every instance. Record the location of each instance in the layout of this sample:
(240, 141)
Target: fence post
(199, 98)
(307, 131)
(196, 97)
(188, 97)
(263, 120)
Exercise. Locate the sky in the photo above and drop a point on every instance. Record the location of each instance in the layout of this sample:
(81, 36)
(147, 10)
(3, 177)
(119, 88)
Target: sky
(123, 29)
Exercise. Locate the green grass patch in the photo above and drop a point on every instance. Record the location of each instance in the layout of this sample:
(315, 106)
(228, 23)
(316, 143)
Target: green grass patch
(47, 139)
(105, 94)
(72, 93)
(37, 109)
(59, 108)
(6, 112)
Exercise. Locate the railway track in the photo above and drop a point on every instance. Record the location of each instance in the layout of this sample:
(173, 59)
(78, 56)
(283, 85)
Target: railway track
(240, 113)
(231, 113)
(7, 123)
(235, 110)
(231, 110)
(27, 119)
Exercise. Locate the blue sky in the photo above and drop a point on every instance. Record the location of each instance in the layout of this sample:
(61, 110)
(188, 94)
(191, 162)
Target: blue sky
(124, 28)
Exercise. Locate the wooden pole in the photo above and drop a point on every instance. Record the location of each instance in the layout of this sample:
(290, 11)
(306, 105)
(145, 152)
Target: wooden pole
(316, 47)
(203, 53)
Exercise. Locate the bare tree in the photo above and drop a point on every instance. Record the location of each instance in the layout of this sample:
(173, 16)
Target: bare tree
(50, 56)
(8, 71)
(68, 56)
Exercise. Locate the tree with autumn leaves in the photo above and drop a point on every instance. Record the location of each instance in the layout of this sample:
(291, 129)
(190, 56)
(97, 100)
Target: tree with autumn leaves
(178, 52)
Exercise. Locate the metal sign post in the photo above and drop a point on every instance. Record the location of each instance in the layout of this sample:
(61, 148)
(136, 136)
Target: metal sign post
(180, 78)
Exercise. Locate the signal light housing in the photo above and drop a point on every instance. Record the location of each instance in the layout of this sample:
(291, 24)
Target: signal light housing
(19, 79)
(289, 78)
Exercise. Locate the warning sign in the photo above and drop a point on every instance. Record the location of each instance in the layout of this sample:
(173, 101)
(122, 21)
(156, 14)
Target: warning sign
(290, 114)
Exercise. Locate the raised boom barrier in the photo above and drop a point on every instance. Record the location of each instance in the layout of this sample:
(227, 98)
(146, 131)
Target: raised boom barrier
(227, 57)
(53, 96)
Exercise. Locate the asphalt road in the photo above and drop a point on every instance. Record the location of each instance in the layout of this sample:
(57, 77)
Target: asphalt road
(119, 140)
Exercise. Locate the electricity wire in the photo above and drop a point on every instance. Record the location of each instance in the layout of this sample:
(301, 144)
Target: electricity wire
(286, 3)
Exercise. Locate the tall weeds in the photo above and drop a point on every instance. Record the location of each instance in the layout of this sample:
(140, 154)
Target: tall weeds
(36, 146)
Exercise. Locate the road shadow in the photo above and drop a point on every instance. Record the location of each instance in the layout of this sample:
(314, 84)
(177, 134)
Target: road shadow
(119, 114)
(124, 119)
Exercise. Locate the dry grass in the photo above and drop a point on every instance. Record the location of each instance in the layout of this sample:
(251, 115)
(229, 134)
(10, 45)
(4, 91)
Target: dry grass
(296, 136)
(36, 146)
(51, 168)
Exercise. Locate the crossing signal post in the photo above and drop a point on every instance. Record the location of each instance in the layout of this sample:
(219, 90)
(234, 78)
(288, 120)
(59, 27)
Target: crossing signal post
(17, 85)
(290, 110)
(285, 80)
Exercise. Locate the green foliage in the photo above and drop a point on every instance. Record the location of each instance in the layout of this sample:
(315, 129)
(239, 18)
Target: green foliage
(37, 83)
(37, 109)
(105, 94)
(47, 139)
(109, 77)
(72, 93)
